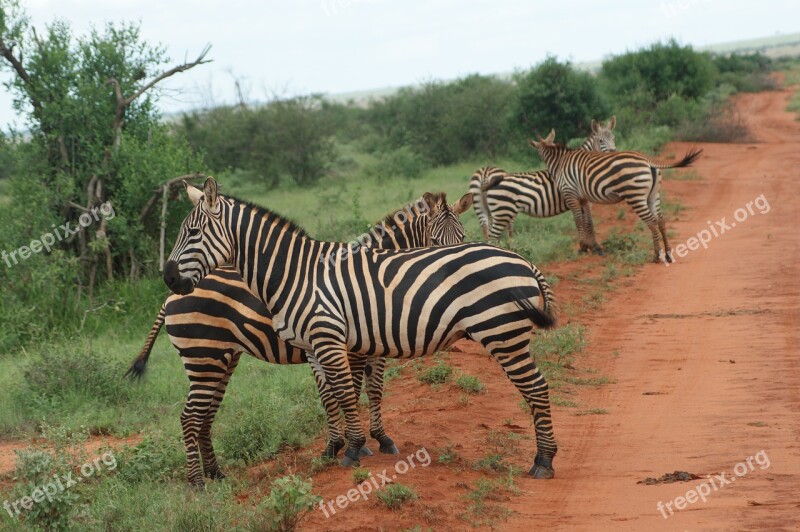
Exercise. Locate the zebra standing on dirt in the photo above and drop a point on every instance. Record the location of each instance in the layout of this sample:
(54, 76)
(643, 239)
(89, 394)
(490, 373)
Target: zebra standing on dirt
(589, 176)
(222, 318)
(390, 303)
(499, 196)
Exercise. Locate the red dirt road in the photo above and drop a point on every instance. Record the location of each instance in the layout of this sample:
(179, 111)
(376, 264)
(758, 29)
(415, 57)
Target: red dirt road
(704, 359)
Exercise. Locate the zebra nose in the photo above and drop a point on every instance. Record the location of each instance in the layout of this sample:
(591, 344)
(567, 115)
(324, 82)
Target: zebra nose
(173, 279)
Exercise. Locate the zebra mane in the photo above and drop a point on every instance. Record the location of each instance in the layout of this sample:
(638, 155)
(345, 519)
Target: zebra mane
(270, 215)
(408, 207)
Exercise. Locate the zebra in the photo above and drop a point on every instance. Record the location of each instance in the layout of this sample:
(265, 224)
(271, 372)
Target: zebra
(385, 303)
(629, 176)
(498, 195)
(222, 319)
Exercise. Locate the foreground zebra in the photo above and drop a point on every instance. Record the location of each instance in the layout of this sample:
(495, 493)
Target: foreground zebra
(390, 303)
(629, 176)
(222, 318)
(498, 196)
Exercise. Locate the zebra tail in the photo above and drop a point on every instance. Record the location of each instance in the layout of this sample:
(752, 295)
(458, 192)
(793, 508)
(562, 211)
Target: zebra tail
(540, 318)
(479, 202)
(491, 183)
(549, 305)
(688, 159)
(139, 364)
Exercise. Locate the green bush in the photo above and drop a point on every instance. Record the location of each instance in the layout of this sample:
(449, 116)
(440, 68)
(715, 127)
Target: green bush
(555, 95)
(289, 500)
(396, 495)
(437, 374)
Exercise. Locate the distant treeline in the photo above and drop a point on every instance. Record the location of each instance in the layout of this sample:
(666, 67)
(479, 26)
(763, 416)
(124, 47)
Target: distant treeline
(668, 86)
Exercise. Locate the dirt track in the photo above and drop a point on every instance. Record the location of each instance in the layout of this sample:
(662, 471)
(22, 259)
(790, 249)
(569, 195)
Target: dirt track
(707, 375)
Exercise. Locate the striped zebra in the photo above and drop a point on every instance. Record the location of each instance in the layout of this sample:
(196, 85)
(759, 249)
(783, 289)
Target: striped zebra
(498, 195)
(221, 319)
(386, 303)
(588, 176)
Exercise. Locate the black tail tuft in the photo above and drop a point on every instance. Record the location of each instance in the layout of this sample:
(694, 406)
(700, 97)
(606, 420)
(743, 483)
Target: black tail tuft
(136, 371)
(543, 320)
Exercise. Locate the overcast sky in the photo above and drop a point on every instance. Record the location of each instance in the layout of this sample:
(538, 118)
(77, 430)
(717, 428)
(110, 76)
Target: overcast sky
(334, 46)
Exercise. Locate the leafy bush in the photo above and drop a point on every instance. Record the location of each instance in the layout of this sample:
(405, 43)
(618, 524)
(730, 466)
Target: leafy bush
(396, 495)
(555, 95)
(289, 500)
(437, 374)
(470, 384)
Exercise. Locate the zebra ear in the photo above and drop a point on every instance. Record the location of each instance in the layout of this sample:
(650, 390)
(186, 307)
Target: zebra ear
(594, 126)
(194, 193)
(612, 122)
(535, 145)
(430, 199)
(551, 137)
(463, 204)
(210, 193)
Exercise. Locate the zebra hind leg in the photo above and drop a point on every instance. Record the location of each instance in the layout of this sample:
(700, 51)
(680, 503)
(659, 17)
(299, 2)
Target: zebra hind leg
(523, 373)
(374, 374)
(588, 224)
(211, 468)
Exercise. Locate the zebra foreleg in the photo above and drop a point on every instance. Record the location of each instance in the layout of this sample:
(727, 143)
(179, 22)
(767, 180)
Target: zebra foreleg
(211, 468)
(358, 366)
(374, 374)
(331, 406)
(577, 214)
(523, 373)
(588, 225)
(332, 356)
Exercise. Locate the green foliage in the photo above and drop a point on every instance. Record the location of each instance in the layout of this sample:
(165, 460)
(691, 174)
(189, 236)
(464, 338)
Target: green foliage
(289, 500)
(655, 73)
(284, 139)
(396, 495)
(470, 384)
(555, 95)
(746, 72)
(439, 373)
(360, 475)
(157, 458)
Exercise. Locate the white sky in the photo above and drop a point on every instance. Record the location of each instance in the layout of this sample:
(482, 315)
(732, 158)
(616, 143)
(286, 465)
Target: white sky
(334, 46)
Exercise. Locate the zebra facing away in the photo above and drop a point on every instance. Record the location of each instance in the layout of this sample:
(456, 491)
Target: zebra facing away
(498, 195)
(221, 319)
(391, 303)
(588, 176)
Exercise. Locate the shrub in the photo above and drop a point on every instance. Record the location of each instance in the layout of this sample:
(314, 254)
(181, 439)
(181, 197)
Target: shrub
(289, 500)
(555, 95)
(396, 495)
(470, 384)
(437, 374)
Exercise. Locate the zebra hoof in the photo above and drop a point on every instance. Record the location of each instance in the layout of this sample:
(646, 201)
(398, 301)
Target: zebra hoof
(599, 251)
(216, 475)
(389, 449)
(364, 451)
(539, 471)
(350, 458)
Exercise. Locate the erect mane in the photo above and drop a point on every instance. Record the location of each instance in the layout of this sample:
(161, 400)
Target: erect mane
(410, 206)
(270, 215)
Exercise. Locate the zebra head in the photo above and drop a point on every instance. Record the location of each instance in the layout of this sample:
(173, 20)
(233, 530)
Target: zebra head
(602, 137)
(444, 228)
(202, 244)
(548, 149)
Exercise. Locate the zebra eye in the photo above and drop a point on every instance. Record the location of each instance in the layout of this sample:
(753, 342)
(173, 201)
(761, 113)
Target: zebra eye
(194, 231)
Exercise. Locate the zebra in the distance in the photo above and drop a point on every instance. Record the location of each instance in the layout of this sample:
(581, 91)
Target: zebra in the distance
(588, 176)
(498, 196)
(222, 319)
(389, 303)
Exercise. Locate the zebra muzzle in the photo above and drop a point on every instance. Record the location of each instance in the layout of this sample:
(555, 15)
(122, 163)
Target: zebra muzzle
(175, 281)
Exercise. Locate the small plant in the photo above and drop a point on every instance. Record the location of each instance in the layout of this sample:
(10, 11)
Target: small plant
(592, 412)
(288, 501)
(396, 495)
(483, 514)
(360, 475)
(320, 463)
(470, 384)
(447, 455)
(437, 374)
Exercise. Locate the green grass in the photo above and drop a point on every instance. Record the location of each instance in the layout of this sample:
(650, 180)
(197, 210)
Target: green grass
(439, 373)
(470, 384)
(396, 495)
